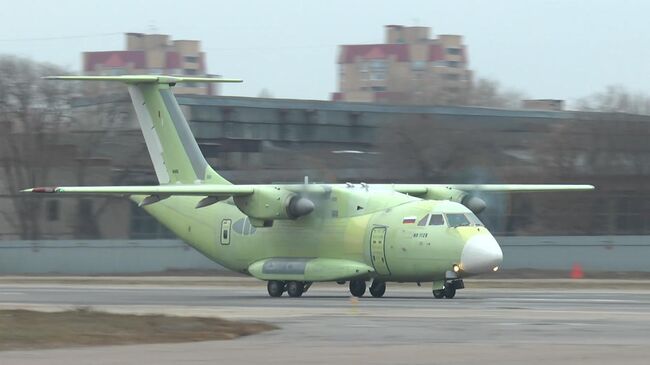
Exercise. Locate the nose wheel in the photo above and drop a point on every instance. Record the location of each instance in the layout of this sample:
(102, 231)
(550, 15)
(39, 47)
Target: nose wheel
(447, 292)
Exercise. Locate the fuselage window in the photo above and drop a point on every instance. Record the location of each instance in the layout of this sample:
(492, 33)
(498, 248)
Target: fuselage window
(436, 220)
(423, 221)
(457, 220)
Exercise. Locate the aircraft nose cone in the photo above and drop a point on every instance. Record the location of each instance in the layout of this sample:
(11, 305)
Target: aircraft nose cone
(481, 254)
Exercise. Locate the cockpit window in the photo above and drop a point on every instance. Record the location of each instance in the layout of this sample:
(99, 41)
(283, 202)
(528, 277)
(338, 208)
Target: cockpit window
(474, 219)
(457, 220)
(436, 220)
(423, 221)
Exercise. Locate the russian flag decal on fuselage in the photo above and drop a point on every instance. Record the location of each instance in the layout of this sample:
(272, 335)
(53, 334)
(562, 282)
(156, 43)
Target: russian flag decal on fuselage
(409, 220)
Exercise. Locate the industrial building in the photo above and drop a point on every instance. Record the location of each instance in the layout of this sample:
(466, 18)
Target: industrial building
(256, 140)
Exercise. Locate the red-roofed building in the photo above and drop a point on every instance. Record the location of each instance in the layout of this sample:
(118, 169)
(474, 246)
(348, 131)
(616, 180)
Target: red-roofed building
(411, 67)
(153, 54)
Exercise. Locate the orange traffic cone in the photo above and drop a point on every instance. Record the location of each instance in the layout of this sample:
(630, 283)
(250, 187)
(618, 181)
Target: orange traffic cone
(576, 271)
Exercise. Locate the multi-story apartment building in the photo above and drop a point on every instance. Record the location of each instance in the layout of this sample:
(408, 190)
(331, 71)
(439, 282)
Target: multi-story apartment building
(153, 54)
(410, 67)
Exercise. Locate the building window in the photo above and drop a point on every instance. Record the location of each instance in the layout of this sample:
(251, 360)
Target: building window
(363, 69)
(189, 71)
(378, 70)
(52, 210)
(454, 64)
(452, 77)
(191, 59)
(453, 51)
(418, 65)
(144, 226)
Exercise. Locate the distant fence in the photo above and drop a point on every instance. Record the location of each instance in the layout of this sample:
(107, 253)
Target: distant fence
(94, 257)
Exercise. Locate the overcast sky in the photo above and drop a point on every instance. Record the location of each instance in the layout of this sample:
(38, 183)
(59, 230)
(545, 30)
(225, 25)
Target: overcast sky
(549, 49)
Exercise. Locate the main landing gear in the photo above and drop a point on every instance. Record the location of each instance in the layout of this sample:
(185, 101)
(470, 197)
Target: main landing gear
(294, 288)
(378, 288)
(357, 288)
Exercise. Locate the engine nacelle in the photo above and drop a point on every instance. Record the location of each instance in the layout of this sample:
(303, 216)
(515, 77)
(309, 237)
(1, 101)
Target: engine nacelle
(270, 203)
(473, 203)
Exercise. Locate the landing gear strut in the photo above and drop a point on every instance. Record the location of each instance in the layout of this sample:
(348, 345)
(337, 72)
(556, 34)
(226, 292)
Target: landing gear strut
(378, 288)
(357, 287)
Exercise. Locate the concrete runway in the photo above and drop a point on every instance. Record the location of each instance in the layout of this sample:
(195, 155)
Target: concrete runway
(408, 326)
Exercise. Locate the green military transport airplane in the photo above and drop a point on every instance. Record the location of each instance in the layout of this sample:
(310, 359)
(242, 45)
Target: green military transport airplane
(294, 235)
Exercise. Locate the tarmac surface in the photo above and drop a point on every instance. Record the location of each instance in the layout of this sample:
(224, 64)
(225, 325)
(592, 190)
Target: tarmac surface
(325, 326)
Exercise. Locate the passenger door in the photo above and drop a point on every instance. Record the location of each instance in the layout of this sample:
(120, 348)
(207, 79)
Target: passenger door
(378, 250)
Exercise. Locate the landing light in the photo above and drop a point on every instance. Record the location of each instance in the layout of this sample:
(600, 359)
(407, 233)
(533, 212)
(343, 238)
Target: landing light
(495, 269)
(457, 268)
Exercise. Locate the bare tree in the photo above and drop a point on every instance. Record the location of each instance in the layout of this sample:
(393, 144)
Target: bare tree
(615, 98)
(489, 93)
(31, 113)
(434, 149)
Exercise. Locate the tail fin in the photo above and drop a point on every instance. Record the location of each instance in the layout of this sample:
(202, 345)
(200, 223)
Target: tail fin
(174, 152)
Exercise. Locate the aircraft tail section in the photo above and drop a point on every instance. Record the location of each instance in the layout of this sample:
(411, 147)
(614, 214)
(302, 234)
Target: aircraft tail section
(174, 152)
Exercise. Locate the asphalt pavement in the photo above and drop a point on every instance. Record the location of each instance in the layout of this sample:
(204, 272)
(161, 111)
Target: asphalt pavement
(326, 325)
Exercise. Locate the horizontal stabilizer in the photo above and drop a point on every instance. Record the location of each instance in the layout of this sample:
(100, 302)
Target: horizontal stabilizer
(164, 190)
(143, 79)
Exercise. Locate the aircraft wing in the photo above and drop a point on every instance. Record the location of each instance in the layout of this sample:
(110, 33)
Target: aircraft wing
(421, 189)
(163, 190)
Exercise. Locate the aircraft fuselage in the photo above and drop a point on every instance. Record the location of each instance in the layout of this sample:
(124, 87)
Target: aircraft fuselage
(380, 228)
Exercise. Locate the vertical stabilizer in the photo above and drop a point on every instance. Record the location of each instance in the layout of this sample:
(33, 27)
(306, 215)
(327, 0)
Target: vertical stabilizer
(174, 152)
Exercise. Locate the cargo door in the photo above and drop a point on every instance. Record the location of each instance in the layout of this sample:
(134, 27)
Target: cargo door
(378, 250)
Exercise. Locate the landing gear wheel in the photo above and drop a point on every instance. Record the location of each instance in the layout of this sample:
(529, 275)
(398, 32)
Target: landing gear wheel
(295, 288)
(439, 294)
(357, 288)
(275, 288)
(450, 292)
(378, 288)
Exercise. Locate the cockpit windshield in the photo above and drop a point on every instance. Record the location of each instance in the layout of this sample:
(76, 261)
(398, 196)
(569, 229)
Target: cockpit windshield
(463, 219)
(457, 220)
(474, 219)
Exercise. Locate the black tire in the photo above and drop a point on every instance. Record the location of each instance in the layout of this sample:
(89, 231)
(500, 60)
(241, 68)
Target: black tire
(378, 288)
(295, 288)
(439, 294)
(357, 288)
(450, 292)
(275, 288)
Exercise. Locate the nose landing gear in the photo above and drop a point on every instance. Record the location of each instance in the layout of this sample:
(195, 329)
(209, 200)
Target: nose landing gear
(449, 289)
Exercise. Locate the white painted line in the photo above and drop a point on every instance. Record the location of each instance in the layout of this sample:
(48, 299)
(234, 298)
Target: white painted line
(565, 300)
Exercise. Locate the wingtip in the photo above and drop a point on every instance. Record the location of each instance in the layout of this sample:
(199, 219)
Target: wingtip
(44, 189)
